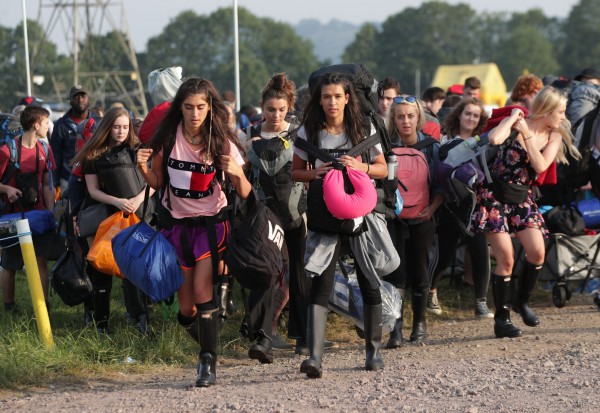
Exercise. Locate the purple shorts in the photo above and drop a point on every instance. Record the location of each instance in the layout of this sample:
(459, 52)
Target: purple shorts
(198, 239)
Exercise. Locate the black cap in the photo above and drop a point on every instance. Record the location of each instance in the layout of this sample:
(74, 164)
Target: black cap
(77, 89)
(588, 73)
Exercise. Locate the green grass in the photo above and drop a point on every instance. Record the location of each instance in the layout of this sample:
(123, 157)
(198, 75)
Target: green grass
(80, 353)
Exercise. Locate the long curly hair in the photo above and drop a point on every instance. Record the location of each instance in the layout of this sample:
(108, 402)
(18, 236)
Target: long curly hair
(452, 120)
(218, 115)
(314, 119)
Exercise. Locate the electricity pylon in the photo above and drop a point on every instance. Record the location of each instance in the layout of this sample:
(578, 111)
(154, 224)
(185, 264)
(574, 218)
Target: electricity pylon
(81, 21)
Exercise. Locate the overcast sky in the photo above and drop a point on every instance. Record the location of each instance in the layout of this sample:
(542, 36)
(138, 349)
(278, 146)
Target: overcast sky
(146, 18)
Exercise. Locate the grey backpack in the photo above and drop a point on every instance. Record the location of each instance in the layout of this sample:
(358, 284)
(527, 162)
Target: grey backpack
(270, 175)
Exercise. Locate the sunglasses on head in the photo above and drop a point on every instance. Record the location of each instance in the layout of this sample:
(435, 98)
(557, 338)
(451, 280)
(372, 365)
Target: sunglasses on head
(408, 99)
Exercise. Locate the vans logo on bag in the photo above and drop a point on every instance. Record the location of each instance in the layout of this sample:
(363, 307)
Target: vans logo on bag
(276, 234)
(140, 237)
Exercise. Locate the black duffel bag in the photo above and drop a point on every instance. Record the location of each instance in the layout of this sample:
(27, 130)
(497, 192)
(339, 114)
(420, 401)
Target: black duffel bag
(68, 277)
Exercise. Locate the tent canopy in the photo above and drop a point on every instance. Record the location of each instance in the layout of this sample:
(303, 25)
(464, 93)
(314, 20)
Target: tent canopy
(493, 88)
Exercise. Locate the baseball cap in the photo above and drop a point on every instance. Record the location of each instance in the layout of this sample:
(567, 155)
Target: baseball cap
(77, 89)
(588, 73)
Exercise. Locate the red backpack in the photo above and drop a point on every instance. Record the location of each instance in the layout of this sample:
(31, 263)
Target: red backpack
(414, 178)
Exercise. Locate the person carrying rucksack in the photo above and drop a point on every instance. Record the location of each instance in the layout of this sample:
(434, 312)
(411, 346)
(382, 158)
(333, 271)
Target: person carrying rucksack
(270, 152)
(332, 121)
(465, 121)
(413, 232)
(192, 151)
(27, 187)
(506, 207)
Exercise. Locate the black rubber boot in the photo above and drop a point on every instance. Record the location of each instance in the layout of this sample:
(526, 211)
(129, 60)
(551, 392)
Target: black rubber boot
(230, 306)
(395, 339)
(419, 306)
(503, 327)
(190, 325)
(222, 291)
(262, 350)
(207, 360)
(526, 285)
(317, 324)
(372, 316)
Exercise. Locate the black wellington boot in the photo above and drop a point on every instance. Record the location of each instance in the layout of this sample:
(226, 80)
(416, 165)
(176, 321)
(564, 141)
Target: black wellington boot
(526, 285)
(190, 325)
(262, 350)
(372, 316)
(503, 327)
(317, 324)
(230, 306)
(395, 339)
(207, 359)
(419, 306)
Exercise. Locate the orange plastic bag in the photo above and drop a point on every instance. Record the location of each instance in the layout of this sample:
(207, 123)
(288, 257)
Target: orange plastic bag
(101, 255)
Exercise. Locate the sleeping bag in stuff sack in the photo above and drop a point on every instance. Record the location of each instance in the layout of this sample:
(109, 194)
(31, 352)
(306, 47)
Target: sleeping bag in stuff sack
(257, 253)
(41, 221)
(148, 260)
(349, 193)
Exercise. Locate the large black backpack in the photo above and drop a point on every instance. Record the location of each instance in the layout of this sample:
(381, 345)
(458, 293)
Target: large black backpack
(363, 81)
(270, 175)
(257, 254)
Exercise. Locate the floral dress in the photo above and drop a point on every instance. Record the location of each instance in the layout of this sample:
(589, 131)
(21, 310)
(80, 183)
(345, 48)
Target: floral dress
(511, 165)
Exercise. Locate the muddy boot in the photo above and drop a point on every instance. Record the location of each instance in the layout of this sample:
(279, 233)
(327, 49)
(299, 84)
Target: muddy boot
(190, 325)
(503, 327)
(526, 284)
(207, 359)
(395, 339)
(372, 316)
(419, 306)
(317, 324)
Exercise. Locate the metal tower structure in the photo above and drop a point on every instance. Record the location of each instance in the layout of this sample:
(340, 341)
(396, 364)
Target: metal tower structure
(81, 21)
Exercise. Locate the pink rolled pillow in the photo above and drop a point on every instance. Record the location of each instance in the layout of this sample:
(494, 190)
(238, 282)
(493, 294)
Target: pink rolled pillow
(343, 205)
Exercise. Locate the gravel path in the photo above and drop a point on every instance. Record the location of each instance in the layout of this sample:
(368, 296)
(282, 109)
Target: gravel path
(555, 367)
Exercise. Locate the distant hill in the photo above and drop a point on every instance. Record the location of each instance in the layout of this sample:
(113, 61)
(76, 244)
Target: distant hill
(330, 39)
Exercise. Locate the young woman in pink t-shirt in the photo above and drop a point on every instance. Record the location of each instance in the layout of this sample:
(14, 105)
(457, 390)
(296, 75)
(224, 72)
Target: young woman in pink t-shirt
(190, 149)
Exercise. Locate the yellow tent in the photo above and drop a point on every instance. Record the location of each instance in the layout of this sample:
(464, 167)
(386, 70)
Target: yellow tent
(493, 88)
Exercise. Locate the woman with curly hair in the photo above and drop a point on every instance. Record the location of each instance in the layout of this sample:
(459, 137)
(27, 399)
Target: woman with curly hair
(467, 119)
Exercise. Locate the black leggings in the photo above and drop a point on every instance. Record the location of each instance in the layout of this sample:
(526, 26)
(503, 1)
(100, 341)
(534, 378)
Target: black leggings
(323, 284)
(412, 241)
(449, 233)
(299, 282)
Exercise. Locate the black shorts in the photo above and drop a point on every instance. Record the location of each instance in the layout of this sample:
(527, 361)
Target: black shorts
(12, 259)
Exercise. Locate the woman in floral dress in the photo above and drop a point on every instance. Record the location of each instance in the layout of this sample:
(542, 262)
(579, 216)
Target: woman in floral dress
(528, 146)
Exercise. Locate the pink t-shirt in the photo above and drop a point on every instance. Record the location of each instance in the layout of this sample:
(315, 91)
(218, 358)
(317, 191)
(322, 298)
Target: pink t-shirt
(193, 189)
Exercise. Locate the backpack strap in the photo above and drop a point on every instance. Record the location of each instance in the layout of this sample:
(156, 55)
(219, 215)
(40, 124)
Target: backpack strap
(314, 151)
(428, 141)
(365, 145)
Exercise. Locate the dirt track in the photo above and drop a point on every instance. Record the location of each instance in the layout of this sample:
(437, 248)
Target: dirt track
(555, 367)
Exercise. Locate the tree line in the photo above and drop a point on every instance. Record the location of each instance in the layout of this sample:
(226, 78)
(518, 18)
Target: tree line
(415, 39)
